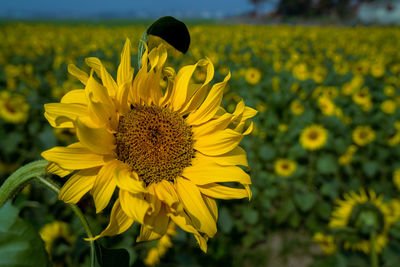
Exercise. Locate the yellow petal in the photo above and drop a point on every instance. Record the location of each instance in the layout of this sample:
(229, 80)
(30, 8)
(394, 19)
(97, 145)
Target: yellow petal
(104, 186)
(223, 192)
(78, 73)
(119, 222)
(78, 185)
(98, 140)
(69, 113)
(205, 172)
(100, 104)
(196, 97)
(212, 126)
(249, 113)
(195, 207)
(166, 192)
(236, 156)
(128, 180)
(77, 96)
(184, 222)
(218, 143)
(210, 106)
(212, 206)
(73, 157)
(106, 78)
(180, 89)
(57, 170)
(159, 223)
(134, 205)
(124, 72)
(122, 98)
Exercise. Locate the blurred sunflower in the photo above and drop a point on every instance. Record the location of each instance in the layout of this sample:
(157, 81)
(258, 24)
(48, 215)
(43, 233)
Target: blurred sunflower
(156, 253)
(363, 135)
(313, 137)
(296, 107)
(166, 151)
(56, 235)
(65, 134)
(363, 98)
(300, 71)
(388, 106)
(347, 156)
(252, 76)
(326, 106)
(285, 167)
(363, 213)
(396, 178)
(326, 243)
(13, 107)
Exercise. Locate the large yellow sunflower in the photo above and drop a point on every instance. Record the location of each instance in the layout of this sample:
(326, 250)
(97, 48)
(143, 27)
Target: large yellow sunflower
(355, 211)
(167, 151)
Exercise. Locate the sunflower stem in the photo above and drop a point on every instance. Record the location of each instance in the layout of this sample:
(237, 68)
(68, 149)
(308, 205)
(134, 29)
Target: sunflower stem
(374, 255)
(55, 188)
(20, 178)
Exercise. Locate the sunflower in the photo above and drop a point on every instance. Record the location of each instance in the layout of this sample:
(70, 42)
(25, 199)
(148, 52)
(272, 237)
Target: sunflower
(65, 134)
(13, 108)
(396, 178)
(300, 71)
(156, 253)
(166, 151)
(326, 105)
(285, 167)
(364, 213)
(363, 135)
(54, 234)
(388, 106)
(252, 76)
(296, 107)
(326, 242)
(347, 156)
(313, 137)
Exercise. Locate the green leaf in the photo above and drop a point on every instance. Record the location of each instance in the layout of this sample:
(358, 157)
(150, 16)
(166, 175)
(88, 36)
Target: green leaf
(250, 216)
(324, 209)
(330, 189)
(112, 257)
(267, 152)
(305, 201)
(20, 245)
(327, 164)
(225, 220)
(284, 211)
(371, 168)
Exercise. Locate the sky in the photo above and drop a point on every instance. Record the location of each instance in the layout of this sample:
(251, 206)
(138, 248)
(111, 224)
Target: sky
(124, 8)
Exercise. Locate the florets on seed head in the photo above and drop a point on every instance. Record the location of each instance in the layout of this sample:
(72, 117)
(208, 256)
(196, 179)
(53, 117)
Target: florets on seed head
(156, 142)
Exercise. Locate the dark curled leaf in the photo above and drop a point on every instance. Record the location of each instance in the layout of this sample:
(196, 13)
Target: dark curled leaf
(172, 31)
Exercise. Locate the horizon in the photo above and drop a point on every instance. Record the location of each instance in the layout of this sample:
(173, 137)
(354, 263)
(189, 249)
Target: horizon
(91, 9)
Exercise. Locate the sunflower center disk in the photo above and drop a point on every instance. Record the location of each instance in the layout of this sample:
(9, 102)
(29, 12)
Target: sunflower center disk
(156, 142)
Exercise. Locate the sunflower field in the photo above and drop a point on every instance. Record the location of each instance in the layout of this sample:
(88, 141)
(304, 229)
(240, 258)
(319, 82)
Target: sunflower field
(323, 155)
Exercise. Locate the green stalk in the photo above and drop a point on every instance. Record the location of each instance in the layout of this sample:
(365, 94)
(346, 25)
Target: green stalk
(20, 178)
(36, 171)
(374, 255)
(55, 188)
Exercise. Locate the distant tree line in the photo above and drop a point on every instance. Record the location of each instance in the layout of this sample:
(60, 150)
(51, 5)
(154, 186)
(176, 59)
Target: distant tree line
(341, 8)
